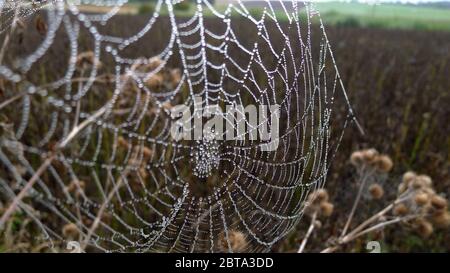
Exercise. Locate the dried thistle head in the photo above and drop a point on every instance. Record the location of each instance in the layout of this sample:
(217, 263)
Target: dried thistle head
(441, 219)
(401, 209)
(70, 231)
(237, 241)
(357, 158)
(421, 182)
(369, 155)
(155, 82)
(376, 191)
(86, 220)
(408, 177)
(86, 60)
(321, 195)
(326, 209)
(384, 163)
(154, 63)
(167, 105)
(373, 159)
(423, 228)
(438, 202)
(175, 76)
(75, 186)
(147, 152)
(317, 203)
(122, 142)
(425, 180)
(421, 199)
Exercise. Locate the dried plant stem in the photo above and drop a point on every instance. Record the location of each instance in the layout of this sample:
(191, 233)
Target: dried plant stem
(381, 225)
(101, 211)
(25, 189)
(364, 224)
(10, 100)
(77, 129)
(308, 233)
(354, 236)
(45, 165)
(363, 228)
(362, 183)
(375, 217)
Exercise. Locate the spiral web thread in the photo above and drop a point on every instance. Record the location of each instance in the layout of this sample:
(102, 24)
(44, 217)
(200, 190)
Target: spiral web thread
(99, 114)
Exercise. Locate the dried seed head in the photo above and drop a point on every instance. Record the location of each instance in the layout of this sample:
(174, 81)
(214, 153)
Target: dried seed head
(154, 63)
(155, 81)
(357, 158)
(425, 180)
(143, 172)
(438, 202)
(76, 185)
(400, 210)
(122, 142)
(376, 191)
(106, 217)
(326, 209)
(167, 105)
(316, 197)
(321, 195)
(236, 241)
(424, 228)
(408, 177)
(430, 191)
(147, 152)
(175, 75)
(441, 219)
(369, 155)
(86, 220)
(384, 163)
(421, 198)
(418, 184)
(402, 187)
(317, 224)
(70, 231)
(87, 59)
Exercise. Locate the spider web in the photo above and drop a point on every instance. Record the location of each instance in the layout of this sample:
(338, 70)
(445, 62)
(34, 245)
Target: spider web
(86, 114)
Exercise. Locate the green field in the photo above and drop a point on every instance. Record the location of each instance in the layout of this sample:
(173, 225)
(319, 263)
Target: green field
(386, 16)
(393, 16)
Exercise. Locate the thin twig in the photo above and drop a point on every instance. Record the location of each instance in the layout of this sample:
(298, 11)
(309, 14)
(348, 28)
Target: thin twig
(101, 211)
(24, 191)
(376, 216)
(80, 127)
(363, 182)
(308, 233)
(381, 225)
(352, 236)
(10, 100)
(361, 229)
